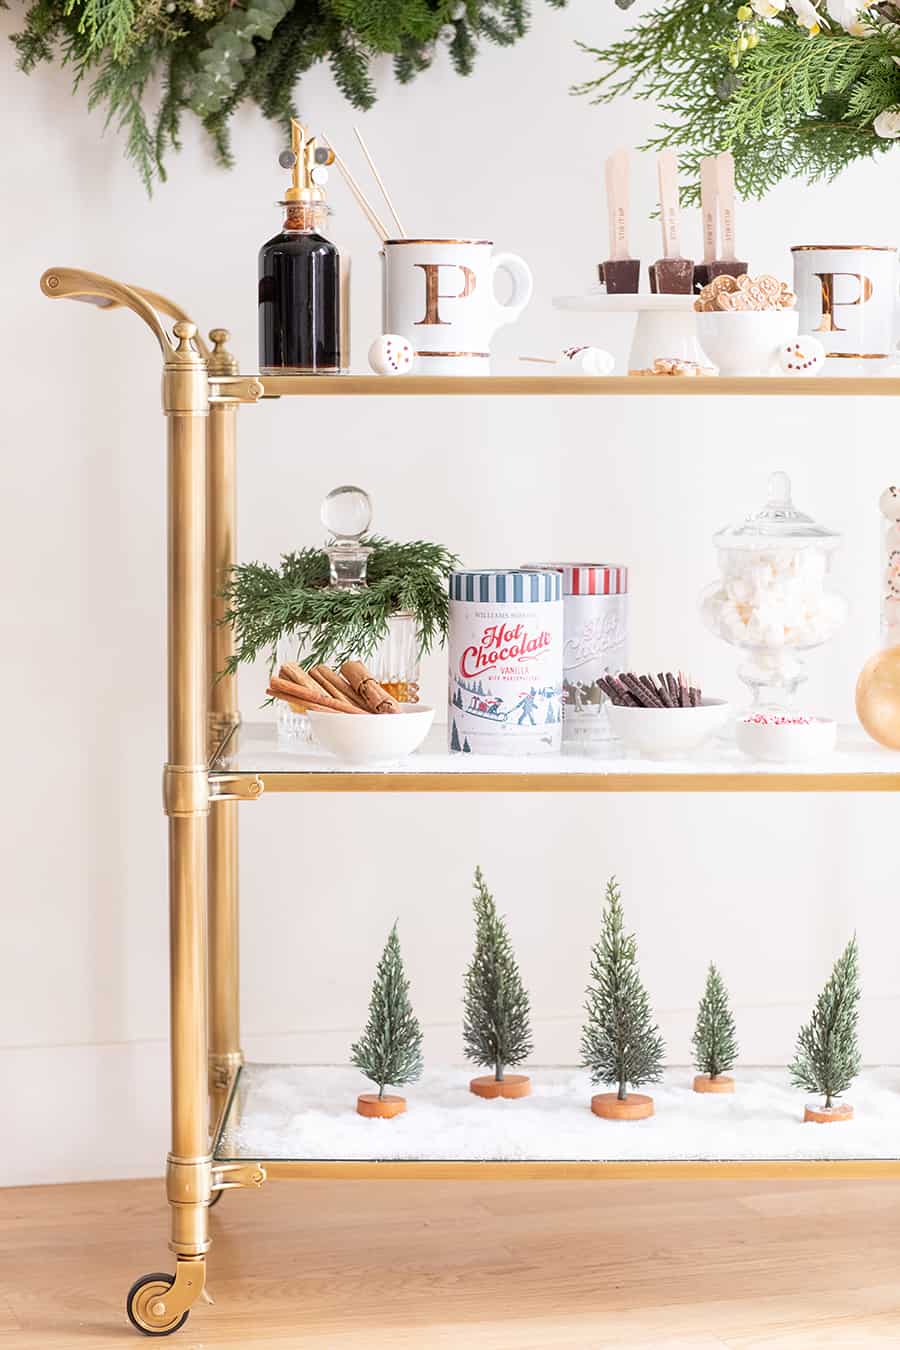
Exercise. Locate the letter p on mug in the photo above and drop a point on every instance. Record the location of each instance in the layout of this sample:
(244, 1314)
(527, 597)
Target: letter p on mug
(847, 298)
(439, 294)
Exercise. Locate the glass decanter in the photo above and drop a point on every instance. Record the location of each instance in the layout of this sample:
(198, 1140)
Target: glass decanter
(346, 513)
(773, 598)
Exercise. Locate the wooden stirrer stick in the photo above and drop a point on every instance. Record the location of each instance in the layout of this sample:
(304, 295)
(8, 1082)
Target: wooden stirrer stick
(380, 181)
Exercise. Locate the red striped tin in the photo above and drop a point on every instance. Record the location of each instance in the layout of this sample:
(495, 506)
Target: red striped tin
(595, 642)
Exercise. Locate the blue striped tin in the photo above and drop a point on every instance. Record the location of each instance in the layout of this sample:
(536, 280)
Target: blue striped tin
(505, 648)
(516, 586)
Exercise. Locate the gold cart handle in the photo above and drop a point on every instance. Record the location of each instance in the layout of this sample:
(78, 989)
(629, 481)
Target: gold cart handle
(75, 284)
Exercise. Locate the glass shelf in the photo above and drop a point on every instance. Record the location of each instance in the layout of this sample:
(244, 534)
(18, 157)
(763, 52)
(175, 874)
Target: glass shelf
(406, 386)
(301, 1121)
(254, 751)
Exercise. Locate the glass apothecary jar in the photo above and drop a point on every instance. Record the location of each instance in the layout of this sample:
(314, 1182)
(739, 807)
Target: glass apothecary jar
(773, 597)
(347, 515)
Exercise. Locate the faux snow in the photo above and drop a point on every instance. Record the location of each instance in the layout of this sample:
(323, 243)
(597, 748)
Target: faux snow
(310, 1113)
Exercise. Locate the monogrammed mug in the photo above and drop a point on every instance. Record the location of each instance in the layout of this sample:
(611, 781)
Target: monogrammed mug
(439, 294)
(847, 297)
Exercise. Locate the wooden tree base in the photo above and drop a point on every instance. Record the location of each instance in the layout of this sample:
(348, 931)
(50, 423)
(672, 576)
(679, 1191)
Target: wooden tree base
(829, 1115)
(635, 1106)
(513, 1085)
(721, 1083)
(380, 1108)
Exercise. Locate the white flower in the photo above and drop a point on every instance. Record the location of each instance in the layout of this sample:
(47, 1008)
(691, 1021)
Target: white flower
(887, 123)
(849, 14)
(807, 15)
(767, 9)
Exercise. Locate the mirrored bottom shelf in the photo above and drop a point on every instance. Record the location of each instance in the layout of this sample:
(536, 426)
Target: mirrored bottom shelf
(303, 1121)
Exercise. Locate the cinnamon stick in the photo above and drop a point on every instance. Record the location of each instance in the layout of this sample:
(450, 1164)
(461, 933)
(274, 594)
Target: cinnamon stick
(366, 687)
(312, 694)
(335, 684)
(294, 704)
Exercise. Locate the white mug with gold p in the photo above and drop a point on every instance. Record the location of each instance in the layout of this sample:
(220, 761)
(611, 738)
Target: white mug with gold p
(439, 294)
(847, 298)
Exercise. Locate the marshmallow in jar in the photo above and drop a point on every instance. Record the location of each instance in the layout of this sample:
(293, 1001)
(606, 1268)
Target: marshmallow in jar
(505, 652)
(595, 643)
(773, 596)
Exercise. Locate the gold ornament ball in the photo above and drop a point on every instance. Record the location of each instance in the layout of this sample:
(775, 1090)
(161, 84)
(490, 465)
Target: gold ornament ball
(878, 697)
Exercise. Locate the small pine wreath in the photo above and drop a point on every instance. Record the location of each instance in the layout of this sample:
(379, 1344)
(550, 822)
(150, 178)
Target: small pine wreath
(209, 56)
(266, 604)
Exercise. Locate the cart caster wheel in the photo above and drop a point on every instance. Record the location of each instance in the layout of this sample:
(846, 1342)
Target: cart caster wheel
(142, 1298)
(216, 1197)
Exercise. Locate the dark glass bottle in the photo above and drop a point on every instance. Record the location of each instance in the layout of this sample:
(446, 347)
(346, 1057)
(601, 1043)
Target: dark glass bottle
(300, 296)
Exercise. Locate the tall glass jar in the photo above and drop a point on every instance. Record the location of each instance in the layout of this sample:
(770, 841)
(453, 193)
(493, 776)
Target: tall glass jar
(347, 514)
(773, 598)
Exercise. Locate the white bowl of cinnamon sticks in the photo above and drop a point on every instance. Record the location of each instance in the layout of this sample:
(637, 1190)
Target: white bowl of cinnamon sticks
(662, 716)
(352, 716)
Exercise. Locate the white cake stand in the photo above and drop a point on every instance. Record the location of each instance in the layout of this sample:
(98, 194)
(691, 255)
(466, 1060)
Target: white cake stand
(666, 324)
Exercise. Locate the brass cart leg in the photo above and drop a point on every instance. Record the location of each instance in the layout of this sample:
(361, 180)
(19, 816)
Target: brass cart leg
(155, 1306)
(222, 829)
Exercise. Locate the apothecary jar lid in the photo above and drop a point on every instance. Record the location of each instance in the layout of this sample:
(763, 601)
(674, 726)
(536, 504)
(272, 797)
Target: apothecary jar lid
(778, 522)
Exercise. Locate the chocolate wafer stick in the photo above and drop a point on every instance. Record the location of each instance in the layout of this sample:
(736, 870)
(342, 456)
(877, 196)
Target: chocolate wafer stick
(647, 682)
(645, 697)
(663, 690)
(617, 692)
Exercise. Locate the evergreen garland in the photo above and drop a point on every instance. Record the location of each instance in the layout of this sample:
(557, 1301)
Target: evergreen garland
(496, 1026)
(827, 1058)
(791, 92)
(714, 1039)
(209, 56)
(620, 1043)
(390, 1049)
(268, 603)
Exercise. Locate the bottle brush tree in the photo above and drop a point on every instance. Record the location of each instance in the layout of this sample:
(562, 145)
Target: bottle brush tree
(827, 1058)
(620, 1043)
(714, 1040)
(497, 1025)
(390, 1049)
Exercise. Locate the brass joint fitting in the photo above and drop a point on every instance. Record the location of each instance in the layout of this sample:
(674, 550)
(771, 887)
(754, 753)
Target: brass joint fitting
(185, 790)
(184, 384)
(189, 1190)
(188, 1180)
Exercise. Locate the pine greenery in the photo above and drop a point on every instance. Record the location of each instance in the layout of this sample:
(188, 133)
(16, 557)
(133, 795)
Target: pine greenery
(714, 1040)
(620, 1043)
(496, 1026)
(209, 56)
(268, 603)
(390, 1049)
(827, 1058)
(792, 106)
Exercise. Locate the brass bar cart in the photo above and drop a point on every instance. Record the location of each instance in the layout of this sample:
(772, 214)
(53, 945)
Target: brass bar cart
(207, 776)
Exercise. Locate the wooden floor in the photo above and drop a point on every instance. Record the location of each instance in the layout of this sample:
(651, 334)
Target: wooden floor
(495, 1266)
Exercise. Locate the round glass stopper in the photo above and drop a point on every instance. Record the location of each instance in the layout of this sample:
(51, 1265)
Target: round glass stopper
(347, 513)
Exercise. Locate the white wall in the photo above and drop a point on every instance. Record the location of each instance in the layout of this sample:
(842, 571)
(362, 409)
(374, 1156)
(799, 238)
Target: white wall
(769, 887)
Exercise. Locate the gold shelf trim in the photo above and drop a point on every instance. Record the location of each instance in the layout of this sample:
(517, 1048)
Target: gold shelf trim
(328, 781)
(850, 1169)
(609, 386)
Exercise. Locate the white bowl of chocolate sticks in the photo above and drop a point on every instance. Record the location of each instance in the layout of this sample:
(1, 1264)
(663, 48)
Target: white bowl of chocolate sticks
(662, 716)
(351, 715)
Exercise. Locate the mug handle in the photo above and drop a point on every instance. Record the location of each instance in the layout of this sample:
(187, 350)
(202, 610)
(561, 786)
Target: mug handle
(523, 285)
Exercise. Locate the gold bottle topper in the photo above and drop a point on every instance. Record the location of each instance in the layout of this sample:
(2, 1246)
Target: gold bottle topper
(307, 162)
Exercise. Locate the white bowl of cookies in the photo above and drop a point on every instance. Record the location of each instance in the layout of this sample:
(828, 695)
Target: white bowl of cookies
(743, 323)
